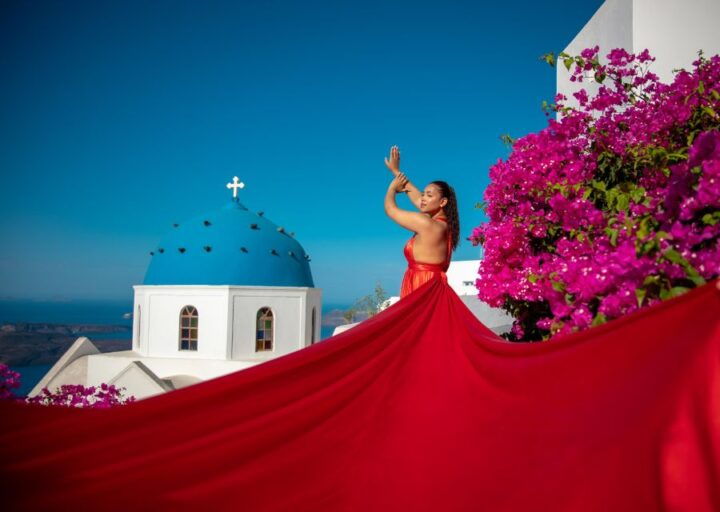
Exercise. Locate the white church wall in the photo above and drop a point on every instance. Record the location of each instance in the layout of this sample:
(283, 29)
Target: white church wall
(139, 321)
(70, 368)
(461, 276)
(610, 27)
(139, 381)
(290, 310)
(160, 320)
(672, 30)
(314, 301)
(103, 367)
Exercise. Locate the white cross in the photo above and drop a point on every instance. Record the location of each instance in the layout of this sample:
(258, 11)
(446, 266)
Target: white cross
(235, 185)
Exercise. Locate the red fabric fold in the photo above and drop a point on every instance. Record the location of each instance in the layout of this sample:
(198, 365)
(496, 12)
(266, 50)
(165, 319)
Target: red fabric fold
(421, 408)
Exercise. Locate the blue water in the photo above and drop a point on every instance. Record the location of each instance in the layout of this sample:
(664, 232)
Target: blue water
(29, 376)
(70, 312)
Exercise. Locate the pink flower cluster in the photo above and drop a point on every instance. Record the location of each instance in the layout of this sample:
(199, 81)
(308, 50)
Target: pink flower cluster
(69, 395)
(9, 380)
(100, 397)
(612, 207)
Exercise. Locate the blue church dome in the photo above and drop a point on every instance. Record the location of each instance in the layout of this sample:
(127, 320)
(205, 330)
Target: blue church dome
(230, 246)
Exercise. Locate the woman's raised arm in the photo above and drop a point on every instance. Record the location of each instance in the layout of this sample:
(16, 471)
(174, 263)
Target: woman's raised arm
(414, 221)
(393, 164)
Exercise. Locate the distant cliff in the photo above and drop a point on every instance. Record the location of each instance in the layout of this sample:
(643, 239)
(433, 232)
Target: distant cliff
(25, 344)
(336, 317)
(41, 328)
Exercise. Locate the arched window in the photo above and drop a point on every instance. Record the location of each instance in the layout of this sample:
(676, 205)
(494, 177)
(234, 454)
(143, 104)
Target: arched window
(188, 328)
(139, 327)
(312, 324)
(264, 331)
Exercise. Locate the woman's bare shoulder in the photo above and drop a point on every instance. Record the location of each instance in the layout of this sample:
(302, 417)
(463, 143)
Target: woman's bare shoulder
(435, 229)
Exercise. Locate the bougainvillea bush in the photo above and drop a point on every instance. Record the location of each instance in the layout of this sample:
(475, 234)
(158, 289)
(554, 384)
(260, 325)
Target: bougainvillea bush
(9, 380)
(70, 395)
(614, 206)
(99, 397)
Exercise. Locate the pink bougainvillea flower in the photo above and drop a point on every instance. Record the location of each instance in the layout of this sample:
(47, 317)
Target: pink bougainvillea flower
(612, 207)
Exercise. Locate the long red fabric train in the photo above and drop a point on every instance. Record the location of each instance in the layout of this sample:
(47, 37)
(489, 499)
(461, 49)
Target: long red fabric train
(418, 408)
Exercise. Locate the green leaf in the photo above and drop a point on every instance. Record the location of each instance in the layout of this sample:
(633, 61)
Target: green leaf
(690, 271)
(568, 63)
(674, 256)
(558, 286)
(549, 58)
(677, 156)
(533, 278)
(711, 218)
(649, 246)
(640, 295)
(623, 202)
(637, 194)
(697, 279)
(610, 197)
(612, 233)
(600, 318)
(507, 139)
(675, 291)
(701, 87)
(643, 228)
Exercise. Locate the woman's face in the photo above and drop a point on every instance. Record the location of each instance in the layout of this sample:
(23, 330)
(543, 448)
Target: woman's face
(432, 200)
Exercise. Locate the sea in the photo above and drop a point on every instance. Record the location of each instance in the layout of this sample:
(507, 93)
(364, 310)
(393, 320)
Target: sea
(96, 312)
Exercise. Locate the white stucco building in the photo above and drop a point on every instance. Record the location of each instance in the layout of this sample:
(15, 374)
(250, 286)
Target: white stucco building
(224, 291)
(672, 30)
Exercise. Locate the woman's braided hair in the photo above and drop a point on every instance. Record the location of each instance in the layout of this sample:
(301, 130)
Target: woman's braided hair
(451, 211)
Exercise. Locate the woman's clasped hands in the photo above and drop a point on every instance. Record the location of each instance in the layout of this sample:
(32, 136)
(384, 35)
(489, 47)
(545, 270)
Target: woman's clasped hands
(393, 165)
(398, 183)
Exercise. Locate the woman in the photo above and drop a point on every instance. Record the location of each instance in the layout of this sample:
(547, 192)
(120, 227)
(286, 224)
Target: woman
(436, 227)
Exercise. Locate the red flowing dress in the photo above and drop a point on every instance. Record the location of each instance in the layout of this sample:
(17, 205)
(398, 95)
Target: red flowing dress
(418, 273)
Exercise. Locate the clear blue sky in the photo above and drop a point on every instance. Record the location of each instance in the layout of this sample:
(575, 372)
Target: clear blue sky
(119, 118)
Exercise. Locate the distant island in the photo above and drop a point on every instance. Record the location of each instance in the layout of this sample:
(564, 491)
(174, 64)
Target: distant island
(336, 317)
(27, 344)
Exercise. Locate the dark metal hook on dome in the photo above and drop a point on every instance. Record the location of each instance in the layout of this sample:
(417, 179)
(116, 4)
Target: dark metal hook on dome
(206, 222)
(243, 249)
(273, 251)
(254, 226)
(181, 249)
(207, 248)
